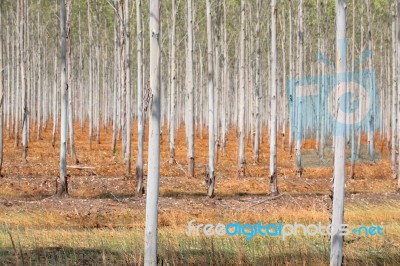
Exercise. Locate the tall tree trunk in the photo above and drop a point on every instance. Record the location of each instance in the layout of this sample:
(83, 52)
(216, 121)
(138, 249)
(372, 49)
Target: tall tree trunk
(241, 107)
(398, 87)
(394, 95)
(116, 79)
(190, 89)
(353, 131)
(23, 58)
(172, 118)
(371, 118)
(257, 88)
(91, 81)
(273, 175)
(139, 161)
(1, 86)
(336, 256)
(299, 137)
(150, 241)
(63, 183)
(211, 110)
(127, 67)
(291, 100)
(69, 72)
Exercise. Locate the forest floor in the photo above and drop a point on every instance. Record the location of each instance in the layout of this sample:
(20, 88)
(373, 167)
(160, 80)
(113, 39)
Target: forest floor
(102, 220)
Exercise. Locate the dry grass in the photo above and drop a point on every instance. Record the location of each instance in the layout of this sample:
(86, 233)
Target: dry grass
(102, 221)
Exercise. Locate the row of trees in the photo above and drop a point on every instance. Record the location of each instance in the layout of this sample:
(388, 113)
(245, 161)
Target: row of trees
(248, 59)
(239, 90)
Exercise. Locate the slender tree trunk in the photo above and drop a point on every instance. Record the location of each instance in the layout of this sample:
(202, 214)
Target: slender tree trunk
(336, 256)
(291, 100)
(273, 175)
(285, 102)
(63, 183)
(139, 162)
(150, 241)
(127, 66)
(1, 87)
(172, 118)
(116, 78)
(371, 118)
(241, 106)
(211, 143)
(353, 149)
(69, 72)
(22, 43)
(398, 86)
(299, 137)
(257, 88)
(394, 95)
(190, 89)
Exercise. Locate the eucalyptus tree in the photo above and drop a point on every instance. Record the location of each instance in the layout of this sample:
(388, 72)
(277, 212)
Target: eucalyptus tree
(140, 115)
(211, 110)
(241, 106)
(127, 85)
(23, 75)
(190, 89)
(1, 86)
(150, 239)
(291, 101)
(63, 183)
(257, 99)
(394, 94)
(116, 78)
(336, 255)
(273, 175)
(371, 118)
(298, 110)
(173, 78)
(398, 86)
(69, 77)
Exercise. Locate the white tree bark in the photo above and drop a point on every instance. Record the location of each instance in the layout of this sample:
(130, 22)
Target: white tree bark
(116, 79)
(69, 73)
(139, 43)
(273, 175)
(190, 89)
(211, 110)
(127, 66)
(150, 245)
(257, 88)
(172, 118)
(1, 86)
(23, 74)
(241, 106)
(398, 86)
(298, 110)
(63, 184)
(336, 256)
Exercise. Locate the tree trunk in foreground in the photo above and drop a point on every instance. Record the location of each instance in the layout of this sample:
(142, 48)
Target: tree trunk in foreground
(241, 107)
(336, 257)
(190, 89)
(150, 239)
(211, 146)
(273, 175)
(63, 183)
(139, 40)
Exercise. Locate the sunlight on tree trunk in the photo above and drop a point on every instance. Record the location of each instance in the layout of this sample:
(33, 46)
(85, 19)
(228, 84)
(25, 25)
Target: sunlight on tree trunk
(150, 240)
(340, 139)
(63, 183)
